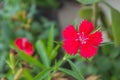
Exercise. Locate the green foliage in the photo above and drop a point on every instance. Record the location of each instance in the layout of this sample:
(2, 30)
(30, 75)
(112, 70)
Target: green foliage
(75, 69)
(27, 74)
(48, 3)
(2, 60)
(42, 52)
(54, 52)
(88, 1)
(50, 39)
(115, 15)
(74, 72)
(43, 64)
(30, 59)
(69, 72)
(42, 74)
(75, 23)
(86, 12)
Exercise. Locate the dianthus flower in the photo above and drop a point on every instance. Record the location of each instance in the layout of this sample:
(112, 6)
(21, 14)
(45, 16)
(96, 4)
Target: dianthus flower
(24, 45)
(84, 39)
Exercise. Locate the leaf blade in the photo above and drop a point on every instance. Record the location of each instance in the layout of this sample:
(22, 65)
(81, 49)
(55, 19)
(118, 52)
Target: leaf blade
(54, 51)
(42, 74)
(88, 1)
(42, 52)
(50, 39)
(69, 72)
(30, 59)
(75, 69)
(27, 74)
(115, 15)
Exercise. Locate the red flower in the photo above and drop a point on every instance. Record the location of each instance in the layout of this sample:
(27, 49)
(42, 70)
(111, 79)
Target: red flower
(24, 45)
(84, 39)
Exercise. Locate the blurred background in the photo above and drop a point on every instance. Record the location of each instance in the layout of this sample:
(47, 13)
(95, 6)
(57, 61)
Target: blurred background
(33, 19)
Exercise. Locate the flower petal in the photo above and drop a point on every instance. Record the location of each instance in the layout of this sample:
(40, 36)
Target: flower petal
(95, 38)
(29, 48)
(69, 32)
(20, 42)
(71, 46)
(86, 27)
(88, 51)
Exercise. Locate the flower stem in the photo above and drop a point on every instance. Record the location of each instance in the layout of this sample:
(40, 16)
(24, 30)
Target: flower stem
(18, 74)
(56, 67)
(12, 62)
(94, 16)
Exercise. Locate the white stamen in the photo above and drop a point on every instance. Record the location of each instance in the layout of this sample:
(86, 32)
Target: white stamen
(81, 38)
(76, 39)
(78, 33)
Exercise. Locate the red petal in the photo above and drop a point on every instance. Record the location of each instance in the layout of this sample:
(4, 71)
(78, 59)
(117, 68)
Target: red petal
(95, 38)
(29, 48)
(86, 27)
(69, 32)
(71, 46)
(20, 42)
(88, 51)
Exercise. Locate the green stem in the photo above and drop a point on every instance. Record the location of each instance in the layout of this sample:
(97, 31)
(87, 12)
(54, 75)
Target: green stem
(94, 16)
(81, 76)
(18, 74)
(58, 65)
(107, 4)
(12, 62)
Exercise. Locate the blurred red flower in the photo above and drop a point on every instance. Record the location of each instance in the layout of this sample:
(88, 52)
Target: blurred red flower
(24, 45)
(84, 39)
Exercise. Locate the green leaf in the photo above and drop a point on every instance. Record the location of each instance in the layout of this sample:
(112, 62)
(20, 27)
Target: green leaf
(58, 42)
(42, 74)
(107, 43)
(69, 72)
(27, 75)
(86, 12)
(2, 60)
(88, 1)
(115, 15)
(50, 39)
(103, 61)
(75, 69)
(54, 51)
(42, 52)
(75, 24)
(115, 52)
(30, 59)
(106, 49)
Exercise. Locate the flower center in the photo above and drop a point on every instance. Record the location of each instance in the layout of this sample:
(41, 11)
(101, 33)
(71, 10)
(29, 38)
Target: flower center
(82, 38)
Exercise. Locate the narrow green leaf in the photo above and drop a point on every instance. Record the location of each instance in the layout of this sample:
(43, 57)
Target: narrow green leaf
(88, 1)
(75, 24)
(50, 39)
(2, 60)
(27, 75)
(69, 72)
(42, 74)
(75, 69)
(106, 49)
(30, 59)
(58, 42)
(54, 51)
(42, 52)
(107, 43)
(86, 12)
(115, 52)
(115, 15)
